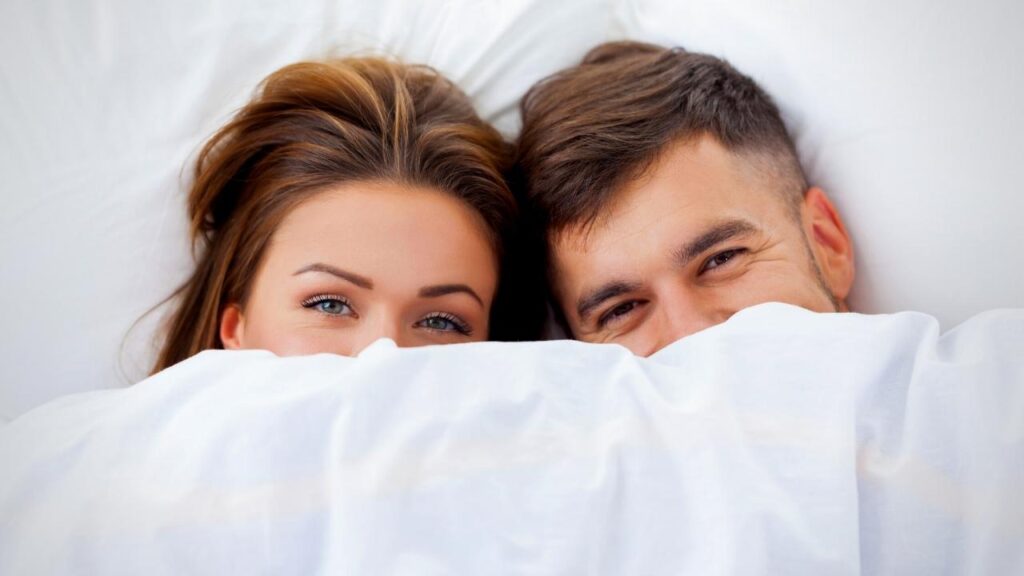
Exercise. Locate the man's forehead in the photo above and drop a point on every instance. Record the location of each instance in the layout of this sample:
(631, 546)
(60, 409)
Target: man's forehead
(693, 185)
(584, 257)
(637, 230)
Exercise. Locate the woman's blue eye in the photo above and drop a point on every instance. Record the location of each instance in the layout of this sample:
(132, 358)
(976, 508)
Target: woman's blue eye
(439, 324)
(329, 305)
(445, 323)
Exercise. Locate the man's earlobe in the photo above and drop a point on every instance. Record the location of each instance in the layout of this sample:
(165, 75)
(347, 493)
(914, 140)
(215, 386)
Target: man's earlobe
(830, 242)
(232, 327)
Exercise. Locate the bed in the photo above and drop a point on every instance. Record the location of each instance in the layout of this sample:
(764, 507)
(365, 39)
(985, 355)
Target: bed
(781, 442)
(906, 113)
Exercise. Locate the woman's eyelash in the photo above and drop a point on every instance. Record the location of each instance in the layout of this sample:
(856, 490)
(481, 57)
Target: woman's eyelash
(316, 301)
(323, 298)
(460, 325)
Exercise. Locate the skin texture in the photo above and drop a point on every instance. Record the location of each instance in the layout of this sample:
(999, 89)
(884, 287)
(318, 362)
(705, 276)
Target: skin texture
(699, 236)
(365, 261)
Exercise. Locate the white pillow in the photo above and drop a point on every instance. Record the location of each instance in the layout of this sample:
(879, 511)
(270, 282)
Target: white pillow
(906, 114)
(105, 103)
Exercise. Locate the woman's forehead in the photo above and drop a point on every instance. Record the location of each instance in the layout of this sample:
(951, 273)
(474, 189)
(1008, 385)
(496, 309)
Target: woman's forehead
(389, 234)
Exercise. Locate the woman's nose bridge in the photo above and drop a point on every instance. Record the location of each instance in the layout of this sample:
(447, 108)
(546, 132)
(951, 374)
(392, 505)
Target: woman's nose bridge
(381, 324)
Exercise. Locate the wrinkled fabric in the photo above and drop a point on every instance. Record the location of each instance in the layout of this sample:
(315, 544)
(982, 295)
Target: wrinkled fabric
(780, 442)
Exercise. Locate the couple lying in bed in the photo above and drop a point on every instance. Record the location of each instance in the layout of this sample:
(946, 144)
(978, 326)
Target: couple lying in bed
(357, 199)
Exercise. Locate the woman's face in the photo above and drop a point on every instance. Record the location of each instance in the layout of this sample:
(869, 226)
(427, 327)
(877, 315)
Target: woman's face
(364, 261)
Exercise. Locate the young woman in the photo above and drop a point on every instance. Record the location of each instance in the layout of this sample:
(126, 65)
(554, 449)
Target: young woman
(350, 200)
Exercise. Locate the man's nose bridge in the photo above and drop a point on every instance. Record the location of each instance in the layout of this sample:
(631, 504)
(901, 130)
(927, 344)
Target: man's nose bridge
(683, 313)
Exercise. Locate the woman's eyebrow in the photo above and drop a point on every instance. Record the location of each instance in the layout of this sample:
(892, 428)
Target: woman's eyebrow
(361, 281)
(445, 289)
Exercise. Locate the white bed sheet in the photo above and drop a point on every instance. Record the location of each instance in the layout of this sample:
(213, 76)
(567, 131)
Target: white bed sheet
(781, 442)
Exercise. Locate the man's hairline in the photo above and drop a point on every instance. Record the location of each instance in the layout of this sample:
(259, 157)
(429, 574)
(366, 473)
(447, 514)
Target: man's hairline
(760, 159)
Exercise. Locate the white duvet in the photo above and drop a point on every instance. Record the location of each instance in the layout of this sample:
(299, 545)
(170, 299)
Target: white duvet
(781, 442)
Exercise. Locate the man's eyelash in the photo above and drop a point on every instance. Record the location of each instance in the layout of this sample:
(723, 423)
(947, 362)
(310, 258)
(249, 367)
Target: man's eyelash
(607, 316)
(731, 253)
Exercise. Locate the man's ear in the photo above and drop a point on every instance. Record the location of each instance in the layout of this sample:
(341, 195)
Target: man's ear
(232, 327)
(829, 242)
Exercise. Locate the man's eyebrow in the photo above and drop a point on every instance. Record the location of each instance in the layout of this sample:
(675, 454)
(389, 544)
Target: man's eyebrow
(445, 289)
(715, 235)
(591, 300)
(361, 281)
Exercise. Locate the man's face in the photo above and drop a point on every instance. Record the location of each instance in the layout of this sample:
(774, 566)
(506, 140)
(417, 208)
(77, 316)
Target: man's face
(698, 237)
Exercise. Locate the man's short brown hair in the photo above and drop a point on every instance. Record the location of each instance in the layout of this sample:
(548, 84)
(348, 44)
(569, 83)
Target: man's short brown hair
(589, 129)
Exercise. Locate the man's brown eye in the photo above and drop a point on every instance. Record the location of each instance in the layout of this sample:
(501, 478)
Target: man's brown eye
(721, 258)
(617, 312)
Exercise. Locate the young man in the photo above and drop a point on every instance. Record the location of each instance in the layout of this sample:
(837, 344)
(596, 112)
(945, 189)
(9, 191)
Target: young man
(670, 197)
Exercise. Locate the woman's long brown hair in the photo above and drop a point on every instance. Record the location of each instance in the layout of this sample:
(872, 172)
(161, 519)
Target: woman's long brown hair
(313, 125)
